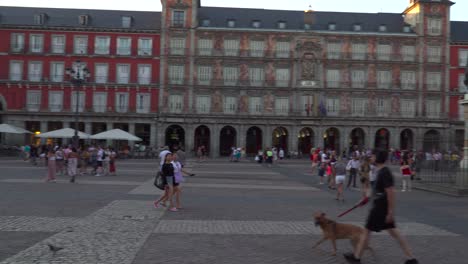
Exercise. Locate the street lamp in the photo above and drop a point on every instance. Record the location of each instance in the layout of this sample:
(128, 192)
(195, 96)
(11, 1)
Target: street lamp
(78, 75)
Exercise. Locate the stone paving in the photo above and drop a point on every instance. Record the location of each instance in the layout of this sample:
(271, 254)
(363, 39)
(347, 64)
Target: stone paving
(232, 213)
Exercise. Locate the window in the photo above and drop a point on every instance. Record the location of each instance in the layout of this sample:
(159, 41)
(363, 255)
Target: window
(230, 105)
(333, 106)
(39, 19)
(144, 73)
(126, 21)
(282, 77)
(333, 50)
(332, 26)
(83, 20)
(282, 25)
(81, 101)
(256, 24)
(255, 105)
(145, 46)
(56, 71)
(307, 104)
(58, 44)
(433, 108)
(123, 73)
(382, 28)
(121, 102)
(256, 76)
(333, 78)
(433, 81)
(433, 53)
(231, 75)
(406, 29)
(359, 51)
(231, 23)
(177, 46)
(282, 106)
(176, 74)
(408, 80)
(55, 101)
(101, 45)
(231, 47)
(81, 45)
(33, 101)
(35, 71)
(16, 70)
(205, 46)
(124, 46)
(143, 103)
(434, 26)
(178, 18)
(357, 27)
(358, 106)
(206, 22)
(100, 102)
(203, 104)
(408, 108)
(101, 73)
(36, 43)
(257, 48)
(382, 107)
(461, 83)
(358, 78)
(204, 75)
(384, 79)
(282, 49)
(462, 58)
(384, 51)
(408, 53)
(175, 103)
(17, 42)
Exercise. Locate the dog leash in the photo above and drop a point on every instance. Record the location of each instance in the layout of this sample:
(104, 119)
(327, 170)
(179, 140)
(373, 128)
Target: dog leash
(361, 203)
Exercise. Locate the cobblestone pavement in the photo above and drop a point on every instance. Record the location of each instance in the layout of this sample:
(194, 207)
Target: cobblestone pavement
(232, 213)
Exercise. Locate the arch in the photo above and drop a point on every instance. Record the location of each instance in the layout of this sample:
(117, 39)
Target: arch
(382, 139)
(227, 140)
(279, 138)
(254, 139)
(407, 139)
(431, 141)
(305, 140)
(357, 138)
(331, 139)
(175, 137)
(202, 138)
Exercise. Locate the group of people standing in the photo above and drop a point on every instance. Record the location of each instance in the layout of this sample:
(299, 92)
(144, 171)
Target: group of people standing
(270, 155)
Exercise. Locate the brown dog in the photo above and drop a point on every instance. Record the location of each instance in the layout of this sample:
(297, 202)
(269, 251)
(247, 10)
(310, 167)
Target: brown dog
(333, 231)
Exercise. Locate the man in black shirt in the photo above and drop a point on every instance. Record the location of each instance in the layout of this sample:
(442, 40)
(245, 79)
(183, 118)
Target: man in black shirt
(381, 214)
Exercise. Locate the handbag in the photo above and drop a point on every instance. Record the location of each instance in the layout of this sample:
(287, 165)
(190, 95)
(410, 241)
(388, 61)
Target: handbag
(159, 181)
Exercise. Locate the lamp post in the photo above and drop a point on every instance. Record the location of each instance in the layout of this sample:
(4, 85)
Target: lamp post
(78, 75)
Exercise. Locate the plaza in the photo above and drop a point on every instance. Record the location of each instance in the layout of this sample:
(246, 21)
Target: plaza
(232, 213)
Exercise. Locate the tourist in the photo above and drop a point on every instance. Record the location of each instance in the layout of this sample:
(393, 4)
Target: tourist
(339, 169)
(269, 157)
(112, 157)
(353, 166)
(178, 179)
(100, 156)
(60, 160)
(84, 161)
(51, 166)
(364, 172)
(106, 161)
(406, 173)
(281, 154)
(72, 164)
(372, 172)
(167, 171)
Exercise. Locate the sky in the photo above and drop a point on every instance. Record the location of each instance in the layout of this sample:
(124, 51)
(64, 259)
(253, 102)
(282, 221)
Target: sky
(458, 13)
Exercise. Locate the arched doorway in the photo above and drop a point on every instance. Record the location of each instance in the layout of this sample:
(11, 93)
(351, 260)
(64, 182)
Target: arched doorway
(254, 140)
(331, 139)
(431, 141)
(357, 139)
(227, 140)
(175, 137)
(406, 140)
(382, 139)
(202, 138)
(280, 138)
(305, 140)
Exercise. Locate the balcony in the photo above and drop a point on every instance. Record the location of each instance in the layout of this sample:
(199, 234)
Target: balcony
(176, 81)
(384, 85)
(145, 51)
(434, 59)
(57, 49)
(124, 51)
(177, 51)
(17, 48)
(144, 80)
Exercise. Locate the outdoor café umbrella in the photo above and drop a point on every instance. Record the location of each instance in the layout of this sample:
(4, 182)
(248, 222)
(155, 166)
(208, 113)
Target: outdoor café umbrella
(6, 128)
(63, 133)
(116, 134)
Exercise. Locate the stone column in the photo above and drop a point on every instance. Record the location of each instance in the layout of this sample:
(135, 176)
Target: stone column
(214, 141)
(319, 137)
(189, 139)
(292, 139)
(44, 128)
(153, 135)
(131, 130)
(88, 129)
(241, 136)
(109, 126)
(344, 134)
(267, 136)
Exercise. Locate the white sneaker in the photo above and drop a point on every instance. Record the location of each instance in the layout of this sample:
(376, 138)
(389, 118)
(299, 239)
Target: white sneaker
(98, 175)
(403, 190)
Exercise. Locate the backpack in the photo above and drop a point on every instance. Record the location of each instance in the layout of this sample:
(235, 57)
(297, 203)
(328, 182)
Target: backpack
(159, 181)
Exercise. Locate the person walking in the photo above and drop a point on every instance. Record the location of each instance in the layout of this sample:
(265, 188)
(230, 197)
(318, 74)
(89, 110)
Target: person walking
(100, 156)
(381, 215)
(84, 161)
(364, 172)
(269, 157)
(51, 166)
(112, 158)
(167, 171)
(281, 154)
(406, 172)
(60, 161)
(72, 164)
(353, 166)
(339, 169)
(178, 179)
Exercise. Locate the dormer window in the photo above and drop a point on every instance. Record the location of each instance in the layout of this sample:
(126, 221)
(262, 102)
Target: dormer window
(357, 27)
(206, 22)
(178, 18)
(256, 23)
(231, 23)
(282, 25)
(307, 26)
(407, 29)
(382, 28)
(332, 26)
(126, 21)
(39, 19)
(83, 20)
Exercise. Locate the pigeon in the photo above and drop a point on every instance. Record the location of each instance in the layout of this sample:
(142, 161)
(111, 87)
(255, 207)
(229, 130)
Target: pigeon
(54, 249)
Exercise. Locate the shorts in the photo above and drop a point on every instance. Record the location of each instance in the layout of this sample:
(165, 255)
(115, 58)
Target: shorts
(169, 180)
(376, 219)
(339, 179)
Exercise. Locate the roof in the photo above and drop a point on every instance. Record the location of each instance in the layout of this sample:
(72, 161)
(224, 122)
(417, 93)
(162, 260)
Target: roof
(60, 17)
(459, 31)
(269, 19)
